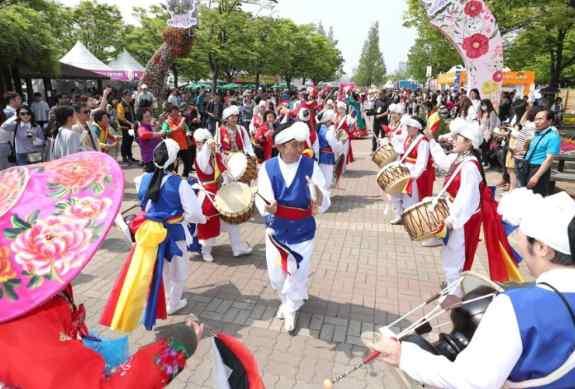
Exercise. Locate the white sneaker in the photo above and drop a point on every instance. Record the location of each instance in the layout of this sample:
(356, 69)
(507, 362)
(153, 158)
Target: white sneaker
(433, 242)
(289, 323)
(244, 249)
(207, 257)
(396, 220)
(280, 315)
(181, 305)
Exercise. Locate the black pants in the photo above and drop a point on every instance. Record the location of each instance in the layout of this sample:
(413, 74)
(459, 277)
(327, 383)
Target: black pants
(377, 132)
(126, 147)
(186, 156)
(543, 187)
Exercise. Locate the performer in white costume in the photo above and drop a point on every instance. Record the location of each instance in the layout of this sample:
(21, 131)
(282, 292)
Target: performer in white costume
(329, 145)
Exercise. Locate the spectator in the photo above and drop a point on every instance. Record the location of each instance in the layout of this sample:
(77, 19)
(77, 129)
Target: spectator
(264, 136)
(489, 121)
(148, 139)
(6, 141)
(380, 118)
(40, 110)
(144, 100)
(175, 127)
(545, 144)
(557, 109)
(14, 101)
(126, 119)
(28, 136)
(88, 139)
(174, 98)
(214, 112)
(201, 104)
(66, 140)
(107, 141)
(519, 107)
(247, 109)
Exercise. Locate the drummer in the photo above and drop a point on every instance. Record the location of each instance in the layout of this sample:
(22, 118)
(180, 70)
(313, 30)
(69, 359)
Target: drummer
(526, 337)
(209, 168)
(329, 145)
(294, 189)
(232, 137)
(420, 166)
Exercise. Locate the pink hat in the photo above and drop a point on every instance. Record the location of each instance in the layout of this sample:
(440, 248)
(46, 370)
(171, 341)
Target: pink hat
(53, 217)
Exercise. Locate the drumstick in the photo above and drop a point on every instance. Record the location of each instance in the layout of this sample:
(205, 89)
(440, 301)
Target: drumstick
(263, 198)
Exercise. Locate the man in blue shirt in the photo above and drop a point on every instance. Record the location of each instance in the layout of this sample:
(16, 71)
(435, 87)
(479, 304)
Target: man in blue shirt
(543, 147)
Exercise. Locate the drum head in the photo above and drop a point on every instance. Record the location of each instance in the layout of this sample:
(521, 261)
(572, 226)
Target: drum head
(398, 186)
(237, 164)
(234, 198)
(471, 280)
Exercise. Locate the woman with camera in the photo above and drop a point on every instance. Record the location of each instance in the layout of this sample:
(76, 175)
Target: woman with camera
(27, 137)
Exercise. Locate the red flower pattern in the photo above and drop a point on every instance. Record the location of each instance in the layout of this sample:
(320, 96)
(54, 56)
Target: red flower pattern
(476, 45)
(498, 76)
(473, 8)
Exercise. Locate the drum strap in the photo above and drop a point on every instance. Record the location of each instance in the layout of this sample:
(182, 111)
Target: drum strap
(412, 146)
(571, 313)
(452, 177)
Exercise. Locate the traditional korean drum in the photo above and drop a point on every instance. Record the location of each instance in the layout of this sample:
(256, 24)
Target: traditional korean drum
(393, 178)
(384, 155)
(242, 167)
(424, 219)
(235, 202)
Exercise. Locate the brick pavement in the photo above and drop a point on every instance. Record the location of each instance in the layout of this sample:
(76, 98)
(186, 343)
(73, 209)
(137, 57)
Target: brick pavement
(364, 273)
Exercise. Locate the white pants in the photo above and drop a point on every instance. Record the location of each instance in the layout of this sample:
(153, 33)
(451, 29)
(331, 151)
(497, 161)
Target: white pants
(400, 202)
(327, 171)
(453, 256)
(176, 273)
(292, 289)
(233, 231)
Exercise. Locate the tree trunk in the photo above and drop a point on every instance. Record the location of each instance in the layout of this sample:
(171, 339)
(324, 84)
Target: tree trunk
(257, 81)
(175, 72)
(288, 82)
(214, 82)
(303, 80)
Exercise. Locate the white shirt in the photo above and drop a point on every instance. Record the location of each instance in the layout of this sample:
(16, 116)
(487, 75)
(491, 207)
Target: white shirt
(192, 207)
(336, 146)
(67, 142)
(288, 172)
(466, 203)
(416, 169)
(493, 351)
(40, 109)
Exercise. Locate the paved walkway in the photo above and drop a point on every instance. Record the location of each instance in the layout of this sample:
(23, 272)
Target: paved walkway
(364, 273)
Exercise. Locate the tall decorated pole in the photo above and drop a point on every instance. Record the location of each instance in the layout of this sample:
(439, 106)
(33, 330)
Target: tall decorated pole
(473, 30)
(178, 38)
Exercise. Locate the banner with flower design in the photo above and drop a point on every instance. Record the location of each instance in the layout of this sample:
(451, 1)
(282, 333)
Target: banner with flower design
(53, 217)
(473, 30)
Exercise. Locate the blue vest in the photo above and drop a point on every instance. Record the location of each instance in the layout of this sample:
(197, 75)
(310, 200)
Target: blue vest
(167, 206)
(326, 158)
(296, 196)
(547, 334)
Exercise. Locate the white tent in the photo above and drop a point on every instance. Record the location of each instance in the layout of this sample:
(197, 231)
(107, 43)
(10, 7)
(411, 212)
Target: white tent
(127, 64)
(80, 57)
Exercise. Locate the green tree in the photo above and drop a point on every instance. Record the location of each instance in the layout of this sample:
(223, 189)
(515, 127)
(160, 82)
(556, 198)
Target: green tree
(371, 69)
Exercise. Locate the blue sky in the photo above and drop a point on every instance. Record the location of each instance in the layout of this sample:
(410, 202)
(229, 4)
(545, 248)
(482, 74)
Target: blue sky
(350, 20)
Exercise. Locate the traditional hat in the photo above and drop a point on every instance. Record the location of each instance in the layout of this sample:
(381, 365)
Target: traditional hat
(53, 217)
(547, 220)
(412, 122)
(202, 134)
(298, 131)
(172, 149)
(468, 130)
(232, 110)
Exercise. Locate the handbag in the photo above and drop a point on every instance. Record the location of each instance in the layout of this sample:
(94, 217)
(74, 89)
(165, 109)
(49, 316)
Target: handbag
(522, 165)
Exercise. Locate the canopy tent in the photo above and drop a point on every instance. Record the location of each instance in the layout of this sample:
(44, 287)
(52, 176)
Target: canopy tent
(230, 86)
(65, 72)
(80, 57)
(127, 64)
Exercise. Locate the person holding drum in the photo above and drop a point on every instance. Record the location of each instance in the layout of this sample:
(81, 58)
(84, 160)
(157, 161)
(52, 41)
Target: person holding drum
(420, 164)
(291, 191)
(526, 336)
(209, 168)
(233, 137)
(163, 192)
(329, 146)
(312, 143)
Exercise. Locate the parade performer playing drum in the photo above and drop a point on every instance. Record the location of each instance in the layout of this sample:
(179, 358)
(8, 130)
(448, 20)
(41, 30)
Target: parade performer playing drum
(420, 165)
(329, 146)
(42, 329)
(345, 123)
(526, 338)
(312, 142)
(163, 192)
(233, 137)
(209, 168)
(293, 187)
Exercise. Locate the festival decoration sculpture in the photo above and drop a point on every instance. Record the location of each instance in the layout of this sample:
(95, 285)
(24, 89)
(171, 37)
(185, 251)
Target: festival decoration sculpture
(178, 39)
(473, 30)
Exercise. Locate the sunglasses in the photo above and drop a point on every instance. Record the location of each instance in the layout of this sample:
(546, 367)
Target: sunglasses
(85, 112)
(24, 113)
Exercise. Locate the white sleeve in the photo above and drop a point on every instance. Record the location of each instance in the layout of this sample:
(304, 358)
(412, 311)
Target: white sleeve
(265, 190)
(192, 207)
(440, 158)
(420, 165)
(336, 146)
(203, 159)
(138, 182)
(248, 147)
(319, 180)
(467, 200)
(486, 363)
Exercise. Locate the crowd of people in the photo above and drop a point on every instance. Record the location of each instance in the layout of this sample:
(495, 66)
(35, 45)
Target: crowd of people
(290, 150)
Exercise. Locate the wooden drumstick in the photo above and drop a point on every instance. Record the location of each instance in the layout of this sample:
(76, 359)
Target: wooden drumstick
(263, 198)
(328, 384)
